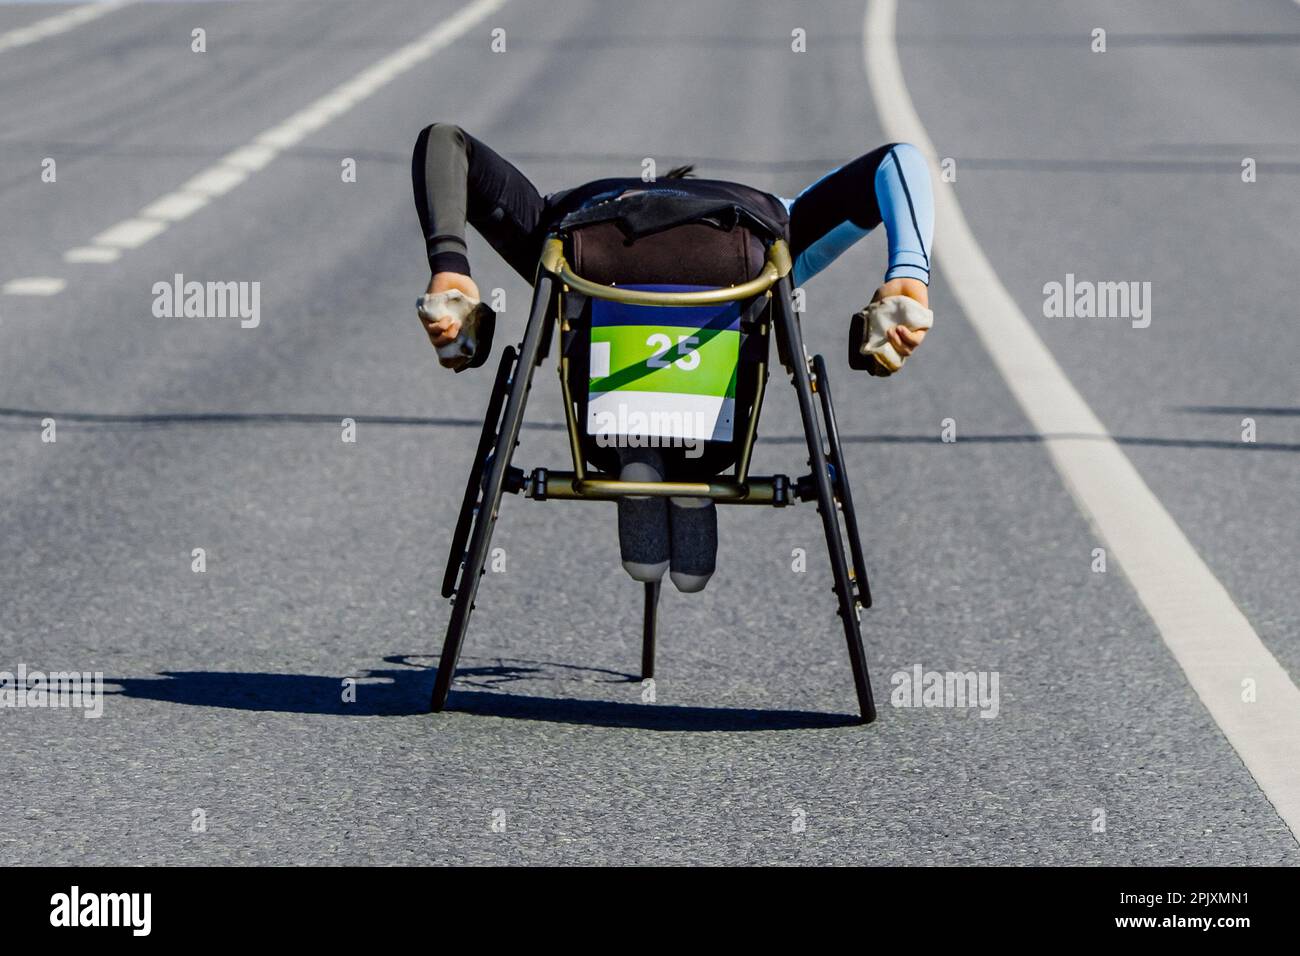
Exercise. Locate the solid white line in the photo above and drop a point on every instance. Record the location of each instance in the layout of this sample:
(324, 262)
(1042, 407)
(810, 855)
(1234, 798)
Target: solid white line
(1206, 632)
(59, 23)
(34, 285)
(235, 167)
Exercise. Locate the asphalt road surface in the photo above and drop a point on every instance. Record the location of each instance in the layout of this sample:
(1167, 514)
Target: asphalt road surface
(225, 736)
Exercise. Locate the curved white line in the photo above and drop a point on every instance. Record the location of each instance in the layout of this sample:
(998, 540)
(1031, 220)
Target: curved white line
(1209, 636)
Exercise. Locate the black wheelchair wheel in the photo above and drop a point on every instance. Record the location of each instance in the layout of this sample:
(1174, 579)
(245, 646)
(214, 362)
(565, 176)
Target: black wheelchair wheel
(469, 504)
(501, 433)
(840, 481)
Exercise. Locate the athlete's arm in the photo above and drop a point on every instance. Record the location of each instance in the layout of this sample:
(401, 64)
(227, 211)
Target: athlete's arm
(459, 181)
(906, 203)
(889, 185)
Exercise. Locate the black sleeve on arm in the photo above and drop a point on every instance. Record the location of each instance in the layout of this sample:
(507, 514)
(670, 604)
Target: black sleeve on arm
(458, 179)
(440, 174)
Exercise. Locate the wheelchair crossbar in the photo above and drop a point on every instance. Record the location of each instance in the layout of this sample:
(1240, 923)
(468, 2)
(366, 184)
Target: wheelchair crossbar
(565, 485)
(777, 265)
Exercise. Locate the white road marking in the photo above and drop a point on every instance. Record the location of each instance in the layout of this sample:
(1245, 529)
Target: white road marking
(174, 206)
(130, 234)
(59, 23)
(1206, 632)
(234, 168)
(92, 254)
(35, 285)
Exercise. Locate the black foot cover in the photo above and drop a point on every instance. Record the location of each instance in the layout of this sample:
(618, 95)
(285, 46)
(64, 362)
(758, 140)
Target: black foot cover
(643, 522)
(694, 524)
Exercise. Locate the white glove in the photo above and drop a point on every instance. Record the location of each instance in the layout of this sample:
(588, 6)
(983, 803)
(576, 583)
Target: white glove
(882, 316)
(475, 319)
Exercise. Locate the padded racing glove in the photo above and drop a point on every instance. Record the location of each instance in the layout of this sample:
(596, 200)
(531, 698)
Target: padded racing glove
(477, 324)
(869, 347)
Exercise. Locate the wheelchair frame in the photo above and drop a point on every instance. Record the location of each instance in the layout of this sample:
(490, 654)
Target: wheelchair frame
(492, 474)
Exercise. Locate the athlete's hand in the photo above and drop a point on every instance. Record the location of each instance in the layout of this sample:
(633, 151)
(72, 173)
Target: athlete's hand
(903, 339)
(444, 331)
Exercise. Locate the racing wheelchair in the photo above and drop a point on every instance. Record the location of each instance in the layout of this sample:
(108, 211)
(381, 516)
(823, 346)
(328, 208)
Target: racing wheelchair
(712, 260)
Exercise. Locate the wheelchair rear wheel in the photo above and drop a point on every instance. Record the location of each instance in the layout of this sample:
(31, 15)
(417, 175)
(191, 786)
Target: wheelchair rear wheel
(840, 482)
(469, 505)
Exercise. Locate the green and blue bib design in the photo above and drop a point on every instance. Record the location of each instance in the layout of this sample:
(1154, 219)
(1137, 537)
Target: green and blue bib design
(663, 372)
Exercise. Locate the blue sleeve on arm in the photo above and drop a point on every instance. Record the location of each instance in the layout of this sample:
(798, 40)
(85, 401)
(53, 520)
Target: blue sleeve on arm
(907, 209)
(826, 249)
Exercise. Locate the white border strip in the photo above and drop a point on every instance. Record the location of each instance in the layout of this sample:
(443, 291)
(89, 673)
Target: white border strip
(236, 167)
(1208, 635)
(59, 23)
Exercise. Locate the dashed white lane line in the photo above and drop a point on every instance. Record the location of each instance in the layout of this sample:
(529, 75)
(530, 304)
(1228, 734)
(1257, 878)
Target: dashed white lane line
(130, 234)
(97, 254)
(1208, 635)
(234, 168)
(59, 23)
(34, 285)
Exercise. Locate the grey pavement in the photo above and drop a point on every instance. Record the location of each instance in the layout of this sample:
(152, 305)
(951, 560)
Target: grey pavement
(324, 558)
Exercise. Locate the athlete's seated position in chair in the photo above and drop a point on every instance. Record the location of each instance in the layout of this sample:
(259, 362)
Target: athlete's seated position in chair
(459, 180)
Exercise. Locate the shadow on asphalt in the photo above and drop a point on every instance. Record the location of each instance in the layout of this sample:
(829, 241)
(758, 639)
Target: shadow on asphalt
(394, 693)
(404, 691)
(607, 713)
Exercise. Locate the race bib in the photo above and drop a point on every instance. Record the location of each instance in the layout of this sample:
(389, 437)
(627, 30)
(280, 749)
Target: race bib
(663, 373)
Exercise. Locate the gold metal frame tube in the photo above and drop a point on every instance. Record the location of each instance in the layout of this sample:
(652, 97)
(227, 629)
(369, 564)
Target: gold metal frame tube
(777, 265)
(575, 439)
(565, 485)
(751, 432)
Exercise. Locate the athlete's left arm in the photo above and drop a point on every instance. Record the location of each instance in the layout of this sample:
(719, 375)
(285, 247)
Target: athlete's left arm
(906, 201)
